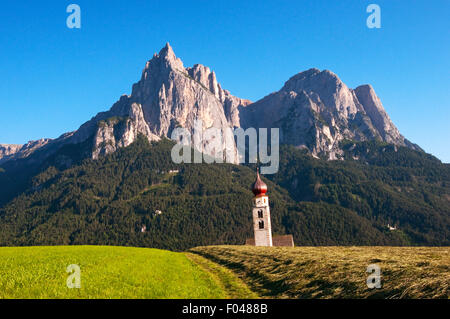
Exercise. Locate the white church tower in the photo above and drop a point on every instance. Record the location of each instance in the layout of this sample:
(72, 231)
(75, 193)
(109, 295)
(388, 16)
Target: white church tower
(261, 213)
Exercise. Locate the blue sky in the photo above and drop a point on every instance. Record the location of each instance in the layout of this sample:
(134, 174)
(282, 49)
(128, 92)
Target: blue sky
(53, 78)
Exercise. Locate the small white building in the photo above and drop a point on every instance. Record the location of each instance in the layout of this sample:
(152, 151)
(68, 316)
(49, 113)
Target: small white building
(391, 227)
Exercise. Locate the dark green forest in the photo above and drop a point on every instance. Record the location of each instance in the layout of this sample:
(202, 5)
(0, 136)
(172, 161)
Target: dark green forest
(108, 201)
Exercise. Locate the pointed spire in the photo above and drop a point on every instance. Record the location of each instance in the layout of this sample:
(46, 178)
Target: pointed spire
(167, 51)
(168, 57)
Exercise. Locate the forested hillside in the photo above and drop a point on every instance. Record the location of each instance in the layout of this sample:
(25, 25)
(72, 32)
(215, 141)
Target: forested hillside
(385, 184)
(108, 201)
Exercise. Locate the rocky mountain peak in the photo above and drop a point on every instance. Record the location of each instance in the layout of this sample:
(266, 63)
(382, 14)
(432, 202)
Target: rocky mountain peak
(14, 151)
(167, 50)
(168, 55)
(374, 109)
(9, 149)
(167, 96)
(314, 109)
(325, 87)
(203, 75)
(312, 78)
(162, 64)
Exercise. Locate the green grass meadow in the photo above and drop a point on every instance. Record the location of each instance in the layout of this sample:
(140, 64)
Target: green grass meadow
(106, 272)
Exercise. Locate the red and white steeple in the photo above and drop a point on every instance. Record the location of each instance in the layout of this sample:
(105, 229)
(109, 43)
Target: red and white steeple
(261, 213)
(259, 187)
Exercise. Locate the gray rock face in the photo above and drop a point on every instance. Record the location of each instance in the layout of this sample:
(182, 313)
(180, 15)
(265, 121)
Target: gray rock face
(9, 149)
(167, 96)
(116, 132)
(314, 109)
(375, 110)
(230, 103)
(172, 96)
(14, 151)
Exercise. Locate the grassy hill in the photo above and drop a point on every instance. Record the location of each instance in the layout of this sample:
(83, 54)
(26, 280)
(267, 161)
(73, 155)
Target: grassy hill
(112, 272)
(337, 272)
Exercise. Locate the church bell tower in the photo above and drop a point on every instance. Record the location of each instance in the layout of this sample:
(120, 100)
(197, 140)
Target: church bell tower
(261, 213)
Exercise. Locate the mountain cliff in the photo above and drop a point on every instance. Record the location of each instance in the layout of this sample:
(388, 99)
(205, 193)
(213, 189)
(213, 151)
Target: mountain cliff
(314, 110)
(15, 151)
(167, 96)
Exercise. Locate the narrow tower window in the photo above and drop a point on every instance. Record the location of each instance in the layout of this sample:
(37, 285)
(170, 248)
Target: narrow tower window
(261, 224)
(260, 213)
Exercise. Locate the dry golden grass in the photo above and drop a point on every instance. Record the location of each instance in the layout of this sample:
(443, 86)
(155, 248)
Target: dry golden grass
(337, 272)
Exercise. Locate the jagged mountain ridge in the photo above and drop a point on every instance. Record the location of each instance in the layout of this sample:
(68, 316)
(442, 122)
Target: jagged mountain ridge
(8, 151)
(168, 95)
(314, 109)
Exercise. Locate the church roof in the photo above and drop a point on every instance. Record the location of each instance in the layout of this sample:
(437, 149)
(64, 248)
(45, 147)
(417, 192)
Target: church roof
(259, 187)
